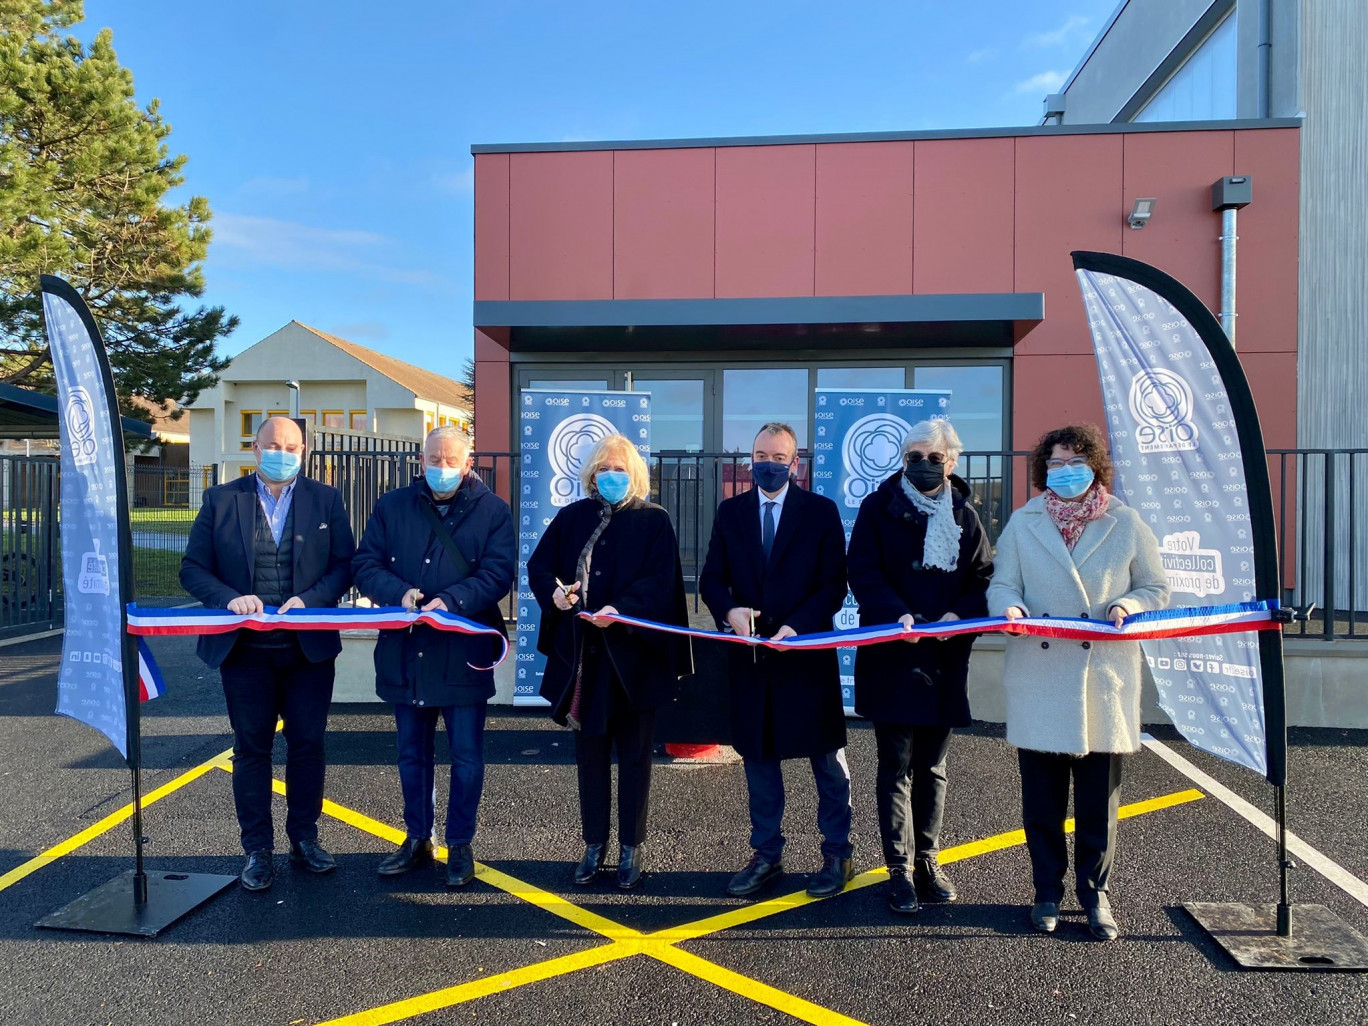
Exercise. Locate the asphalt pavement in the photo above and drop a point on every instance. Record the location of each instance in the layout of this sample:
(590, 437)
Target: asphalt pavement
(521, 945)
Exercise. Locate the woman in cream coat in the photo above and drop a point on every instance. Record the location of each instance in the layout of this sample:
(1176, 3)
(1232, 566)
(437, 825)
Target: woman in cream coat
(1073, 708)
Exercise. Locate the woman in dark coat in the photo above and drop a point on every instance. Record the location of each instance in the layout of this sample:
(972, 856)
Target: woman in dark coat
(613, 552)
(918, 553)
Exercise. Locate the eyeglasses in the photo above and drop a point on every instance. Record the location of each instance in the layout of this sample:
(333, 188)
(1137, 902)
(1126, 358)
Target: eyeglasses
(1077, 461)
(936, 459)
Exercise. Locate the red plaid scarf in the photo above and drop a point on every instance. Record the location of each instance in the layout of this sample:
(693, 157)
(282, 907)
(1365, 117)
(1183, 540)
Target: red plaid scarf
(1072, 517)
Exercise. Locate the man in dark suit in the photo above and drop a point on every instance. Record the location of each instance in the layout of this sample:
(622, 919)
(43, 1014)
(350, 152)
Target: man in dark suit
(273, 538)
(776, 567)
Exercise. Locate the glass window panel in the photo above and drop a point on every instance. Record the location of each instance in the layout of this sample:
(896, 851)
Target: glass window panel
(676, 413)
(251, 422)
(861, 377)
(334, 419)
(975, 406)
(360, 422)
(754, 397)
(1203, 89)
(569, 385)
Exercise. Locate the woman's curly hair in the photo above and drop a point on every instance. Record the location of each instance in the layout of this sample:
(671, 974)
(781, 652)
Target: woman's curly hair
(1085, 439)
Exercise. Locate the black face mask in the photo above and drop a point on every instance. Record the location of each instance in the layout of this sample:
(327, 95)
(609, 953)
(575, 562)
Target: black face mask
(925, 476)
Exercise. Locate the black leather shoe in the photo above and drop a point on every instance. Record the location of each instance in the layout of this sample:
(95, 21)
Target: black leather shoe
(1045, 916)
(831, 878)
(629, 866)
(933, 886)
(413, 852)
(758, 872)
(589, 866)
(312, 856)
(1101, 924)
(460, 865)
(902, 897)
(259, 872)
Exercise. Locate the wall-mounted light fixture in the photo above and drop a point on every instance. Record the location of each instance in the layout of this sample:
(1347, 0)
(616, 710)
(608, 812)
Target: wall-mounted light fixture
(1141, 212)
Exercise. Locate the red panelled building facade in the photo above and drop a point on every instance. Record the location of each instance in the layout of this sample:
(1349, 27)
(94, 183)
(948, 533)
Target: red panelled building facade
(732, 276)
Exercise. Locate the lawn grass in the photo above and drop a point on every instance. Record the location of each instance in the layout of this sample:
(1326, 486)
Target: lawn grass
(156, 573)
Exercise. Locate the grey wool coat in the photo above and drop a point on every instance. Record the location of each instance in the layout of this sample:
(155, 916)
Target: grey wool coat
(1065, 696)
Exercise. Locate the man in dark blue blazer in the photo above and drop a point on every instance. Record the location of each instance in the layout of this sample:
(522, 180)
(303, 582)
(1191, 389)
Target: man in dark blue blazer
(273, 539)
(776, 567)
(444, 542)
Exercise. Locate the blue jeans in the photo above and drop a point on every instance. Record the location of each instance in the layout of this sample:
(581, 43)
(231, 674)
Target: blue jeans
(765, 784)
(417, 732)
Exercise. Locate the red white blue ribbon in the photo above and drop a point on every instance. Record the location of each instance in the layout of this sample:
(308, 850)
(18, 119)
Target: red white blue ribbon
(148, 622)
(1149, 626)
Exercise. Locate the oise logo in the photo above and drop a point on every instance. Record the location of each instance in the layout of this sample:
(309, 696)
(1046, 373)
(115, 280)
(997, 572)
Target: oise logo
(80, 422)
(571, 442)
(872, 450)
(1161, 402)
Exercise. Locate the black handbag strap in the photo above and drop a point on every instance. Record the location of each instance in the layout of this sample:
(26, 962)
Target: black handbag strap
(444, 536)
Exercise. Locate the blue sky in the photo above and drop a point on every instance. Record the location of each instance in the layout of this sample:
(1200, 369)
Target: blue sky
(332, 139)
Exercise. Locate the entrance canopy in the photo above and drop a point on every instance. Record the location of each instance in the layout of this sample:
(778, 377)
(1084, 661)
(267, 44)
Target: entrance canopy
(869, 322)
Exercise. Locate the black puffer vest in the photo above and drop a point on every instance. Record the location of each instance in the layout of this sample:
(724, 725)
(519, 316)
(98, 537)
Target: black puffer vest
(273, 575)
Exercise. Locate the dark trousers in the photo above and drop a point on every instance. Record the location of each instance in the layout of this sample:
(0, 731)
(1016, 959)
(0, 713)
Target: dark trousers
(632, 733)
(765, 787)
(910, 790)
(261, 684)
(1044, 807)
(416, 727)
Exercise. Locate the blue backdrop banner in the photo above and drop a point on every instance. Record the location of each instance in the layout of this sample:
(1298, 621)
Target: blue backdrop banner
(557, 431)
(1178, 458)
(90, 685)
(857, 445)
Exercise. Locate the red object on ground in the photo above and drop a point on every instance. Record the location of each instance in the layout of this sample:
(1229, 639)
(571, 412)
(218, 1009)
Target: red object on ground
(690, 751)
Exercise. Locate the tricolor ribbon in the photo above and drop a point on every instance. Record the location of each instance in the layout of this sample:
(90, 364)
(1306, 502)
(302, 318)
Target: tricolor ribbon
(148, 622)
(1185, 622)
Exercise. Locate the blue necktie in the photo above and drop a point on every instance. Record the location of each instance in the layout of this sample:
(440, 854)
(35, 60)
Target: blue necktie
(767, 532)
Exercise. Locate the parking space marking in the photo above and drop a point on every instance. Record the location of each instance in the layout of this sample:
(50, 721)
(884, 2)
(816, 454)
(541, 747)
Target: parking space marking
(110, 822)
(1317, 860)
(762, 993)
(661, 945)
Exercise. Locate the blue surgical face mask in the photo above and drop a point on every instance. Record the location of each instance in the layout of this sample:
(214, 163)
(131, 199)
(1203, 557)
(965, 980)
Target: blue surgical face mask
(770, 476)
(1069, 482)
(278, 465)
(613, 484)
(443, 479)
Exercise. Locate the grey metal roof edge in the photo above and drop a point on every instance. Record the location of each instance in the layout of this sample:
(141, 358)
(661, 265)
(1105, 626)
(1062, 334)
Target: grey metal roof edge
(572, 313)
(1231, 124)
(45, 403)
(1092, 47)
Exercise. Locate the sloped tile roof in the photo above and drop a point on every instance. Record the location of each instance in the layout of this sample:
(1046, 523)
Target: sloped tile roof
(422, 383)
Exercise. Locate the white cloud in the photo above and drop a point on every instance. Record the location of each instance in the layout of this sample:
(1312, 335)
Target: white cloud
(288, 245)
(1071, 29)
(1044, 83)
(456, 183)
(979, 56)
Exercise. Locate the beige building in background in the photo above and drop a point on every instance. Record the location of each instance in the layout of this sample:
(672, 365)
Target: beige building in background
(343, 387)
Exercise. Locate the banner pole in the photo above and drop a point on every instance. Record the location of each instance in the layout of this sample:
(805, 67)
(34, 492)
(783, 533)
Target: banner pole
(1284, 904)
(139, 873)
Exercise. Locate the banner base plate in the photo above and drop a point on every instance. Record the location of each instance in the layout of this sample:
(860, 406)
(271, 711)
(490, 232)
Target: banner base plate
(1321, 941)
(110, 908)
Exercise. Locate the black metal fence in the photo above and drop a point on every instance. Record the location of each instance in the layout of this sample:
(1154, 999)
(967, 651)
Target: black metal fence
(1320, 497)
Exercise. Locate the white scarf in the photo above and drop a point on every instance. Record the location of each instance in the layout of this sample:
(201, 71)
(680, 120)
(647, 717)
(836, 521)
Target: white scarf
(941, 549)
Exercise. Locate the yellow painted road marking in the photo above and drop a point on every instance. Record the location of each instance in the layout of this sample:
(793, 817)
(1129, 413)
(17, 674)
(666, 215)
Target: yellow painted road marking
(110, 822)
(661, 944)
(495, 983)
(748, 988)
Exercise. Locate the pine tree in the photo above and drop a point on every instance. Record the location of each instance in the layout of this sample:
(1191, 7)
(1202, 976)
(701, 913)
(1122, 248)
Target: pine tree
(84, 173)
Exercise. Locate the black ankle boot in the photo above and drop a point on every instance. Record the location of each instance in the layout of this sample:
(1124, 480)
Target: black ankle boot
(629, 866)
(413, 852)
(589, 866)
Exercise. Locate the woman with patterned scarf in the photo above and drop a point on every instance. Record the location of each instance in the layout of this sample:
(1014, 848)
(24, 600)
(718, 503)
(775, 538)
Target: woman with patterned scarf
(611, 552)
(1073, 708)
(918, 553)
